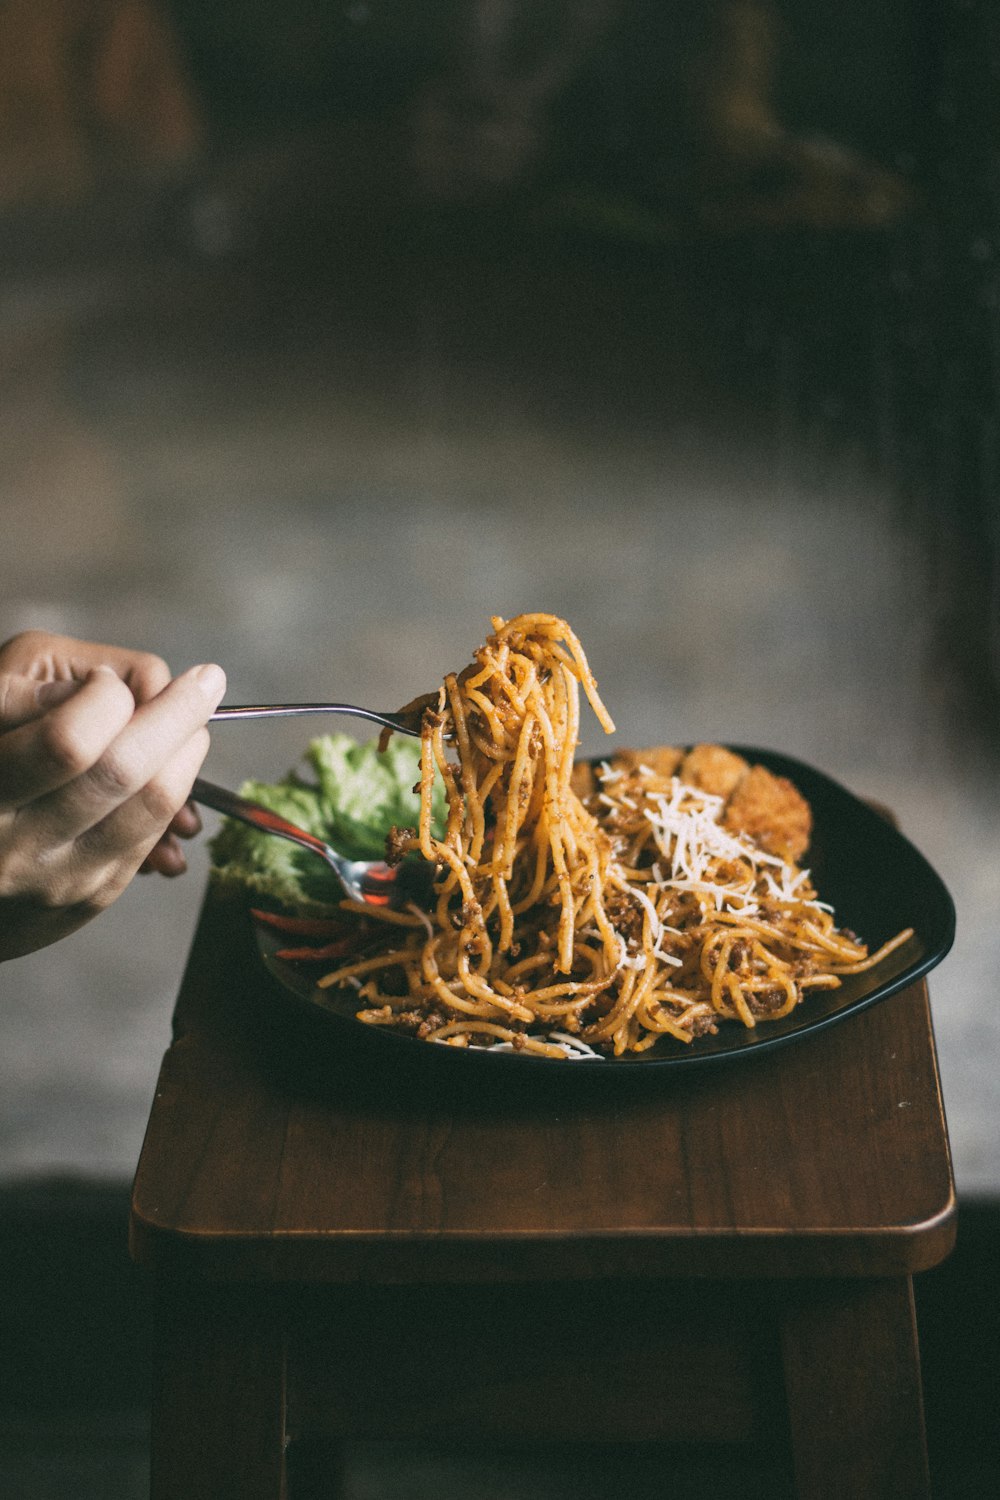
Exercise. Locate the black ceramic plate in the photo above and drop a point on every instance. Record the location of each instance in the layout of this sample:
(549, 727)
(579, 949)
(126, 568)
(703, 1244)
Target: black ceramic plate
(874, 878)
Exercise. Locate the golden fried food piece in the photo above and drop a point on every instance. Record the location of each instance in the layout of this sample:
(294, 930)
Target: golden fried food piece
(772, 812)
(713, 769)
(663, 760)
(768, 808)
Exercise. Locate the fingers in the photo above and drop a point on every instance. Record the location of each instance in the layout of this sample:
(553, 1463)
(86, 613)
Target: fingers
(143, 762)
(98, 751)
(24, 698)
(146, 675)
(132, 831)
(64, 741)
(46, 657)
(187, 822)
(166, 856)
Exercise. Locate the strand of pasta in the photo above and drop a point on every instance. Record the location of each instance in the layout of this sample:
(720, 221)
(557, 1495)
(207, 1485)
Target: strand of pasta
(549, 911)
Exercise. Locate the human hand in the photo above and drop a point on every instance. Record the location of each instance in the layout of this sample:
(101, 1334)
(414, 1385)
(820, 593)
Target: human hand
(98, 751)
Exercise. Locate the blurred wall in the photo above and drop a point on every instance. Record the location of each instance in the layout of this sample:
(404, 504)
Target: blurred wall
(678, 321)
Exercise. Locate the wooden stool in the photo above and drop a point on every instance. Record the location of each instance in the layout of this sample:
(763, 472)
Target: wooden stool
(353, 1252)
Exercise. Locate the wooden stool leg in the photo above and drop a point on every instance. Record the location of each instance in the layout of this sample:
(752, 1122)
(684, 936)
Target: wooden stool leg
(218, 1418)
(852, 1380)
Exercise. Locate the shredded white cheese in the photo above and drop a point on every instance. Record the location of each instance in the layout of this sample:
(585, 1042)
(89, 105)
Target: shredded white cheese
(689, 836)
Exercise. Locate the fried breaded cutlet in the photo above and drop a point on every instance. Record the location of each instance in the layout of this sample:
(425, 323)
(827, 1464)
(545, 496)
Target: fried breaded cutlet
(713, 769)
(766, 807)
(772, 812)
(663, 760)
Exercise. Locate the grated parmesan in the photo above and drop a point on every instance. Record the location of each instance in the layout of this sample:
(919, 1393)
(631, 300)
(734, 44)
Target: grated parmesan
(688, 833)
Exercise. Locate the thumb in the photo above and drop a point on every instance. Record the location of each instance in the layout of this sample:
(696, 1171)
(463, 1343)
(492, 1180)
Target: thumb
(25, 698)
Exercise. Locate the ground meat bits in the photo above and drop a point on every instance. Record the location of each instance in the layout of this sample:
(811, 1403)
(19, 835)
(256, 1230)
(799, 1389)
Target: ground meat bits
(624, 913)
(398, 843)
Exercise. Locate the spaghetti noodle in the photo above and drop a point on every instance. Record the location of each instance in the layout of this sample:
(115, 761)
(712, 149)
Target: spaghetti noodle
(573, 919)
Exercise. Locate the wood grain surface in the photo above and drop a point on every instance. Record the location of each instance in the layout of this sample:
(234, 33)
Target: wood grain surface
(274, 1155)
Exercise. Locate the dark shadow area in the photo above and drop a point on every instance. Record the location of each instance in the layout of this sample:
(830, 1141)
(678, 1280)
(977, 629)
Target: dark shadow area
(75, 1330)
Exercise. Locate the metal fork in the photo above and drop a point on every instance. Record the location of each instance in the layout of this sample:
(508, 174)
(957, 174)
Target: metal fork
(370, 880)
(405, 720)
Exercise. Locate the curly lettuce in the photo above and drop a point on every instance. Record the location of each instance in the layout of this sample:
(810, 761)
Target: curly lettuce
(354, 795)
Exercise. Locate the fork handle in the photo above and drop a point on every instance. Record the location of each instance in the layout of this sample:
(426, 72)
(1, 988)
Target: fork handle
(258, 816)
(282, 710)
(292, 710)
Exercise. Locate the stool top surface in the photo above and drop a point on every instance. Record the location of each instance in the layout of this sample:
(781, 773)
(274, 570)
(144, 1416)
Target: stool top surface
(268, 1157)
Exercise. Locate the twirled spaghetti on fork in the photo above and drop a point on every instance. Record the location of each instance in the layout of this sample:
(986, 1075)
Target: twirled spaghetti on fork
(581, 913)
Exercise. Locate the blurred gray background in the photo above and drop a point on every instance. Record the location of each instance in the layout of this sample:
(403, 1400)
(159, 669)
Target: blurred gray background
(327, 332)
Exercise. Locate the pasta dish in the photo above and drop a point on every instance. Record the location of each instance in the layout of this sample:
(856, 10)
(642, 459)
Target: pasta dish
(583, 911)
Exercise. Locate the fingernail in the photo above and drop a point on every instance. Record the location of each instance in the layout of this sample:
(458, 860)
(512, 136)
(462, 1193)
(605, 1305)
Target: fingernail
(212, 679)
(48, 694)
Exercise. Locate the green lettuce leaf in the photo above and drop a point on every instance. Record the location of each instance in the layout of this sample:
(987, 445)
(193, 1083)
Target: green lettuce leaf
(357, 796)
